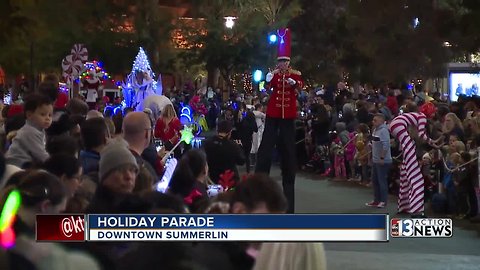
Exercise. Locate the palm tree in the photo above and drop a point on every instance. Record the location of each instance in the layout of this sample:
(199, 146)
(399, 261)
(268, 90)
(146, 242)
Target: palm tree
(275, 12)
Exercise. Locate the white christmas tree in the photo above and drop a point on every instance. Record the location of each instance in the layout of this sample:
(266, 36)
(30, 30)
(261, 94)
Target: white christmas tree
(142, 64)
(136, 91)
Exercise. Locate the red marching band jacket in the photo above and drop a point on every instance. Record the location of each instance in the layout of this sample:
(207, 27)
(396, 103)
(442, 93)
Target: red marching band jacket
(283, 100)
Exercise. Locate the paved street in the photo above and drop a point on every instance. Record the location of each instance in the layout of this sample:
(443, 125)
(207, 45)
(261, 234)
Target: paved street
(314, 195)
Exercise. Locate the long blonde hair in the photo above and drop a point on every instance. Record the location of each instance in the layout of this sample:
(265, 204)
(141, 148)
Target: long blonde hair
(168, 112)
(456, 122)
(474, 124)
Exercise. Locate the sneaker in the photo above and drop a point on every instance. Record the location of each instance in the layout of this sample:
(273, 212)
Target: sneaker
(381, 205)
(372, 204)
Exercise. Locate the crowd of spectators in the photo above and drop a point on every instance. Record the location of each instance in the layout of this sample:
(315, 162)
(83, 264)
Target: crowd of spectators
(65, 158)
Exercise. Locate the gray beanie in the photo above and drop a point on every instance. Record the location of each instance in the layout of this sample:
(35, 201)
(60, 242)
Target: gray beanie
(115, 155)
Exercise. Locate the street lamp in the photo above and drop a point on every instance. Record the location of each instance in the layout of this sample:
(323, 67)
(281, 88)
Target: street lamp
(229, 22)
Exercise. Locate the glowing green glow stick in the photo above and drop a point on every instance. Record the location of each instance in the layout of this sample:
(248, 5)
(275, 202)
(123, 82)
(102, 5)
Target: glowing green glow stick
(10, 210)
(187, 137)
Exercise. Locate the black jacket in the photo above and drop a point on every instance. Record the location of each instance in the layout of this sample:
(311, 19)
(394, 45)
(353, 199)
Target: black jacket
(246, 127)
(223, 154)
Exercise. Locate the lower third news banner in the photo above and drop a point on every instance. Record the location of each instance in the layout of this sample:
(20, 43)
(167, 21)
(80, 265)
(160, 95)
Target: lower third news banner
(264, 228)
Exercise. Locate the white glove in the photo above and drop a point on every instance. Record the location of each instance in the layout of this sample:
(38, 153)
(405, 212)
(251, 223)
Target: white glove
(269, 77)
(291, 81)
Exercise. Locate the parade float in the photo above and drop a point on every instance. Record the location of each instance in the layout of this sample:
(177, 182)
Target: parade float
(140, 83)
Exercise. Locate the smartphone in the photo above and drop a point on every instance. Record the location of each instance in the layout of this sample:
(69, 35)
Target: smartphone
(158, 144)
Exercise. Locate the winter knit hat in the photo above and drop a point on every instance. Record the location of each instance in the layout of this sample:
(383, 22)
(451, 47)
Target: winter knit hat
(113, 156)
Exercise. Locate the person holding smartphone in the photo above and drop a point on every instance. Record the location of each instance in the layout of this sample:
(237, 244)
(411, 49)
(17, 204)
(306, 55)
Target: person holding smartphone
(223, 152)
(167, 129)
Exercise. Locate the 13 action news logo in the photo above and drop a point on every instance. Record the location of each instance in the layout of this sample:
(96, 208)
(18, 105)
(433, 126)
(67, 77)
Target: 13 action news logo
(421, 227)
(71, 225)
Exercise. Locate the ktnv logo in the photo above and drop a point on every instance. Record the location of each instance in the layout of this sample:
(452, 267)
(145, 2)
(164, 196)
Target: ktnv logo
(61, 227)
(72, 225)
(421, 227)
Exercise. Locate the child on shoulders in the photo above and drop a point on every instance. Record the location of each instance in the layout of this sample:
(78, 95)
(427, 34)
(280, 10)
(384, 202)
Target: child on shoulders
(28, 146)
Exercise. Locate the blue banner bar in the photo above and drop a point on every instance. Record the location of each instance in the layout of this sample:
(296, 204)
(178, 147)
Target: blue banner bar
(238, 221)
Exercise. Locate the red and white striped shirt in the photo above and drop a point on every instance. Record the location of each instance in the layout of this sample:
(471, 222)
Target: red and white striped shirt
(403, 121)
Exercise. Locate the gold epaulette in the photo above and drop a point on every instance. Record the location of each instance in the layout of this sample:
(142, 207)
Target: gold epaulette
(296, 72)
(276, 71)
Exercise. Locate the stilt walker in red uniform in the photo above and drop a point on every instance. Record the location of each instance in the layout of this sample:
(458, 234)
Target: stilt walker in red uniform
(411, 195)
(280, 118)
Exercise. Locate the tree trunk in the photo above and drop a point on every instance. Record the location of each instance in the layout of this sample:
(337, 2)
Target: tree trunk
(211, 77)
(226, 75)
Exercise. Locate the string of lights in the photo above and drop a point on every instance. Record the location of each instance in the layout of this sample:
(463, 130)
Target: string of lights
(95, 67)
(141, 64)
(247, 83)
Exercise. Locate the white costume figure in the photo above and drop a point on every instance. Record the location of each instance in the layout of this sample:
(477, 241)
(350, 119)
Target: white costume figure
(144, 86)
(257, 136)
(156, 103)
(93, 84)
(140, 83)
